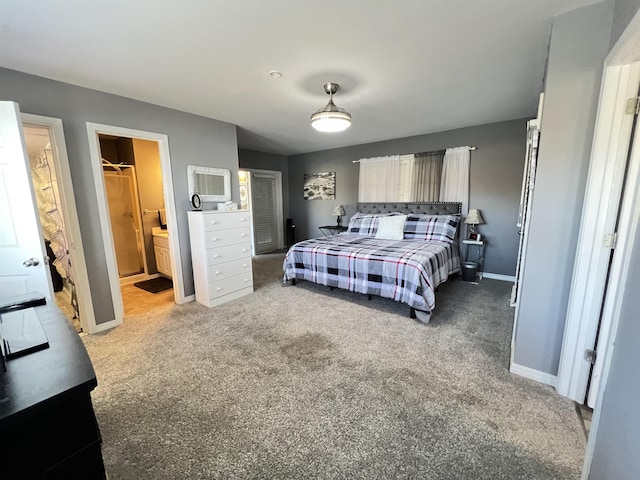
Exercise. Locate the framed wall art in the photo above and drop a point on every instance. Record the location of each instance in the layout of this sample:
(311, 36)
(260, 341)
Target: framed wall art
(320, 186)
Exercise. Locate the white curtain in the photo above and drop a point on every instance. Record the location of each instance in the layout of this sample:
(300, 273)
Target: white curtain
(380, 179)
(426, 177)
(455, 177)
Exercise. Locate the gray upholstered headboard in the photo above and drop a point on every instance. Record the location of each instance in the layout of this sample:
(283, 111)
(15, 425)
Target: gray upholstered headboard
(429, 208)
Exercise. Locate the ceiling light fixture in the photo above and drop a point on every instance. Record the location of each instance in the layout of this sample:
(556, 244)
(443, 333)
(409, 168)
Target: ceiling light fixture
(275, 74)
(331, 118)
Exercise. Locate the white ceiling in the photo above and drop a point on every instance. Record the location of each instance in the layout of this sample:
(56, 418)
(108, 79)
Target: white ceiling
(405, 67)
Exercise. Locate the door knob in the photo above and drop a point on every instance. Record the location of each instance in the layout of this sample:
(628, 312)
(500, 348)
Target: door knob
(32, 262)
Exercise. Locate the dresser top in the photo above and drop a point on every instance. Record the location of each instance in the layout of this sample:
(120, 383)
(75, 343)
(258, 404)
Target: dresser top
(213, 212)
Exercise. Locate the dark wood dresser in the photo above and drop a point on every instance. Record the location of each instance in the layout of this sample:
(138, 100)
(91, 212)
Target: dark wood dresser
(48, 428)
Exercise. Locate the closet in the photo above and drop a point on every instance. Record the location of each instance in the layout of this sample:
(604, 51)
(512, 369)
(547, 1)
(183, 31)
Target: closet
(52, 219)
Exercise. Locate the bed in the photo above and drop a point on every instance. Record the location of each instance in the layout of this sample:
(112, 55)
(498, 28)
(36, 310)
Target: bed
(405, 265)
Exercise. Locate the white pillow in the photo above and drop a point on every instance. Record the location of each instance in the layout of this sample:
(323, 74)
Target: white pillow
(391, 228)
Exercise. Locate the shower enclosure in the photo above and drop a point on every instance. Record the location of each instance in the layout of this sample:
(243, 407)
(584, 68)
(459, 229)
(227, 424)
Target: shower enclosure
(126, 224)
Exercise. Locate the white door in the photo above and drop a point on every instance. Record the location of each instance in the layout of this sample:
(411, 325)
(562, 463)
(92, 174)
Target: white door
(597, 275)
(22, 254)
(528, 184)
(626, 229)
(266, 210)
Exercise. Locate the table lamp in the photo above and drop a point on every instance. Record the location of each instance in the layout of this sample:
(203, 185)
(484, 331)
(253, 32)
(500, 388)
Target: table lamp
(339, 212)
(473, 220)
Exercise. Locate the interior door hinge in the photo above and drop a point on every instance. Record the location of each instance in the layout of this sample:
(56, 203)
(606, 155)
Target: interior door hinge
(590, 356)
(610, 240)
(633, 106)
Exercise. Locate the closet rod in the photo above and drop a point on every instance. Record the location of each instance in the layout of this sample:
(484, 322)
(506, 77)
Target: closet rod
(425, 153)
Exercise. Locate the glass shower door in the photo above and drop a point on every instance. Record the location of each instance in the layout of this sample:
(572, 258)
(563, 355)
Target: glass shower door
(125, 221)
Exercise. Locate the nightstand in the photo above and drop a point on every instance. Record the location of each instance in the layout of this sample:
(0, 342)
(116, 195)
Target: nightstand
(479, 259)
(332, 229)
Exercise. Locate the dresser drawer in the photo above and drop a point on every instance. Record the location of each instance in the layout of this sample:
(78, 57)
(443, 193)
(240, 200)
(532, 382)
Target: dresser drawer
(218, 238)
(219, 288)
(219, 255)
(223, 221)
(229, 269)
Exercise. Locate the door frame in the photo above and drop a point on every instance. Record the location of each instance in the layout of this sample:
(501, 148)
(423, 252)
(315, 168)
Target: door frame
(93, 130)
(70, 212)
(612, 136)
(599, 215)
(279, 205)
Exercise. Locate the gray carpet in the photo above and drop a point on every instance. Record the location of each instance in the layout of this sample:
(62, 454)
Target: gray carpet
(303, 382)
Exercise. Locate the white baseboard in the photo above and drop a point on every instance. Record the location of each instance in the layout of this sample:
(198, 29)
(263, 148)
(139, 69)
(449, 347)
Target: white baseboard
(536, 375)
(498, 276)
(101, 327)
(190, 298)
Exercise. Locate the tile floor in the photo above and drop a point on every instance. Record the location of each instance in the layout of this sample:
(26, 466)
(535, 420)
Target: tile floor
(138, 301)
(135, 301)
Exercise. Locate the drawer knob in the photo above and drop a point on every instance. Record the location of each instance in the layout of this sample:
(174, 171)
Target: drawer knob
(219, 289)
(244, 266)
(243, 219)
(213, 222)
(244, 250)
(217, 272)
(243, 235)
(214, 239)
(216, 256)
(245, 280)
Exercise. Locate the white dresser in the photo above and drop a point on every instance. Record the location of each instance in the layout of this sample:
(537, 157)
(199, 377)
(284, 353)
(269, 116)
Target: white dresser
(221, 255)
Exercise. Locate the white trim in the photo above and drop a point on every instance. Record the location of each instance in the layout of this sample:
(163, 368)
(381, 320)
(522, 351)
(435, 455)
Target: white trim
(189, 298)
(532, 374)
(141, 277)
(63, 173)
(530, 171)
(93, 129)
(599, 214)
(107, 325)
(499, 276)
(627, 231)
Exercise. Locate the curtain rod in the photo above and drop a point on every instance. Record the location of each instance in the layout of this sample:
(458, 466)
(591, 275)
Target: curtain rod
(424, 153)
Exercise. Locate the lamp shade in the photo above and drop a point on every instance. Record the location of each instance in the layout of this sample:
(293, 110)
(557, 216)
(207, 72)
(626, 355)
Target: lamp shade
(474, 217)
(339, 210)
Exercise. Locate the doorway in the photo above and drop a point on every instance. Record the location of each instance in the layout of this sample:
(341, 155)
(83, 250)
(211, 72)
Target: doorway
(261, 193)
(134, 190)
(53, 221)
(133, 184)
(56, 213)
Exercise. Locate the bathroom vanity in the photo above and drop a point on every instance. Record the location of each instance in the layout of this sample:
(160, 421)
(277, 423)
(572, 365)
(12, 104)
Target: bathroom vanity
(161, 250)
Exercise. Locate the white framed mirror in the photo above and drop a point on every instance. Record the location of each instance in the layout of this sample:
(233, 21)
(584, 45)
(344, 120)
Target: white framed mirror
(211, 184)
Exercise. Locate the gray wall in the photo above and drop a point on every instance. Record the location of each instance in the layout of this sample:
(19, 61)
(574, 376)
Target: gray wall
(496, 177)
(579, 44)
(617, 441)
(268, 161)
(623, 12)
(192, 140)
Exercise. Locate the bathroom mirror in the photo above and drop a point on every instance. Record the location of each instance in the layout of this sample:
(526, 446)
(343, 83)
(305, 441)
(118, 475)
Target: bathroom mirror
(211, 184)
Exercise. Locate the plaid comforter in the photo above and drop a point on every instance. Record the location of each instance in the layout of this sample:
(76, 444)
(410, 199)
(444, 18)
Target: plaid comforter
(406, 271)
